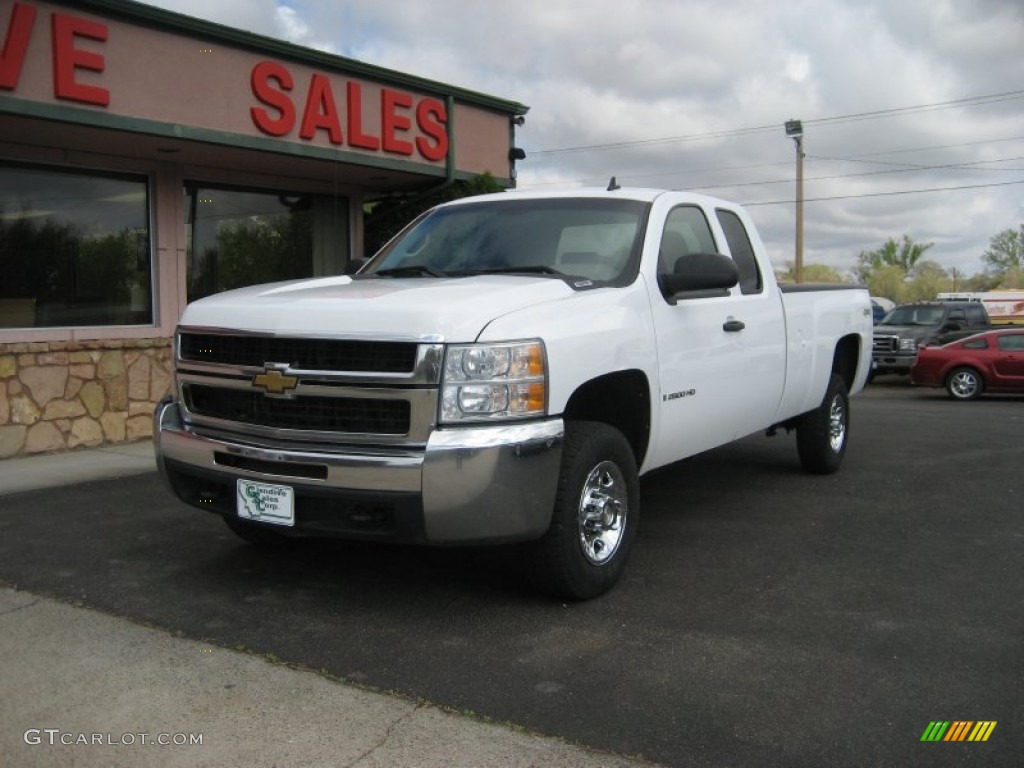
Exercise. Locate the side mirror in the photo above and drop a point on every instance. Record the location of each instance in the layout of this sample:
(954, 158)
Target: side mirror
(698, 275)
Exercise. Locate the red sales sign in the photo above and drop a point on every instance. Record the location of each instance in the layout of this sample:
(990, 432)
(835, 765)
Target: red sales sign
(276, 112)
(272, 84)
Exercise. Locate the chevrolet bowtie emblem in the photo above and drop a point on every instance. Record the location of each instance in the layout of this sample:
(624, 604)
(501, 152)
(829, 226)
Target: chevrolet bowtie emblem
(275, 382)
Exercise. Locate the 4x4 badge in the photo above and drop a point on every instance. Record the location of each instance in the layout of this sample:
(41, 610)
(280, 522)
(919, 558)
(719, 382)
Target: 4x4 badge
(274, 381)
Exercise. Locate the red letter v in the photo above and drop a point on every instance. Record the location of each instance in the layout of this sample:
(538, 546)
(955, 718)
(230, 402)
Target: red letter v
(19, 30)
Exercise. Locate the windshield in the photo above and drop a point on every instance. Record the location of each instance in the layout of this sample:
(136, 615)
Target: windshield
(914, 316)
(581, 237)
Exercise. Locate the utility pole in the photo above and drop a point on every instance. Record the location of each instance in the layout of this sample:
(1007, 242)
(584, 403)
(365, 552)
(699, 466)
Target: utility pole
(795, 130)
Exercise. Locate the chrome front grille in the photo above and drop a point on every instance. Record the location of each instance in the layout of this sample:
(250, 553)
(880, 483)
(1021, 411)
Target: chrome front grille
(885, 345)
(309, 390)
(324, 414)
(346, 355)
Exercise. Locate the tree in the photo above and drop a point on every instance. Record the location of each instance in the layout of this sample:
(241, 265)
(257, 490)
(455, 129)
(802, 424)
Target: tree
(903, 254)
(385, 219)
(1005, 251)
(813, 273)
(980, 283)
(888, 282)
(1012, 278)
(929, 280)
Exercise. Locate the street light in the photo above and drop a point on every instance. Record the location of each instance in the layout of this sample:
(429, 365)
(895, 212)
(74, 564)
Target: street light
(795, 130)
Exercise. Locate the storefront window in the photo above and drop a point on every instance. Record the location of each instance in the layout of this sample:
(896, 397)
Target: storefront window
(238, 238)
(74, 249)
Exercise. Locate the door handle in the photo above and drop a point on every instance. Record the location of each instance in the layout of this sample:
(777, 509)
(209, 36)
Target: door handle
(732, 325)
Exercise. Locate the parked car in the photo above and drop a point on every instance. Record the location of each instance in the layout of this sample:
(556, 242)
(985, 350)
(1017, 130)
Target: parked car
(909, 327)
(992, 362)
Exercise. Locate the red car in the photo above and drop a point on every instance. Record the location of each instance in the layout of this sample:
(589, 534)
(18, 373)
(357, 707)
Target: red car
(992, 361)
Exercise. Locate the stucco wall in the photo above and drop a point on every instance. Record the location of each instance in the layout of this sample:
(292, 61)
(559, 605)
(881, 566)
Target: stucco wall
(66, 394)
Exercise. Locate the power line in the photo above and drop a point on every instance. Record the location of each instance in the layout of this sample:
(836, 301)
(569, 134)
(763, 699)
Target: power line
(666, 140)
(928, 149)
(969, 101)
(913, 167)
(887, 194)
(657, 173)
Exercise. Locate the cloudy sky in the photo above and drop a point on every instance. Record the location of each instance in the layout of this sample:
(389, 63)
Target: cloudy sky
(913, 110)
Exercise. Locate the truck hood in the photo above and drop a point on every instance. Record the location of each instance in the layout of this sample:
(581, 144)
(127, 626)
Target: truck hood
(453, 309)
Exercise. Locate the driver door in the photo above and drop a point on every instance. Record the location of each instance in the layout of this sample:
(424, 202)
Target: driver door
(721, 357)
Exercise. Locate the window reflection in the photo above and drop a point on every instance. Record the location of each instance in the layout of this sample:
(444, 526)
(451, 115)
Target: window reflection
(74, 249)
(238, 238)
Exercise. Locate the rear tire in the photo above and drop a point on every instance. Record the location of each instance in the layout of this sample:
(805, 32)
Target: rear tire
(822, 434)
(597, 506)
(965, 384)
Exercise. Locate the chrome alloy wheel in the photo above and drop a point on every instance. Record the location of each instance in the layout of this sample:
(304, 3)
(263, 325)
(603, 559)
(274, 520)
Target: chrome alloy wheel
(963, 385)
(604, 503)
(837, 424)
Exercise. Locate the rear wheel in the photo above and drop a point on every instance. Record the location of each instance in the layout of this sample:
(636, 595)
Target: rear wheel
(597, 507)
(965, 384)
(822, 434)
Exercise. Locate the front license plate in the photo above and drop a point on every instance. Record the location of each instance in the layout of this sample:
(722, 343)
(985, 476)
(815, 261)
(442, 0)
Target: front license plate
(266, 503)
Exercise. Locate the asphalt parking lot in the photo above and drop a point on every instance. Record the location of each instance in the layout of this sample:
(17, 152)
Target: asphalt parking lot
(767, 617)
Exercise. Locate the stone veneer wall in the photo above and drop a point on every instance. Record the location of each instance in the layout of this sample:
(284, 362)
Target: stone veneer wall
(66, 394)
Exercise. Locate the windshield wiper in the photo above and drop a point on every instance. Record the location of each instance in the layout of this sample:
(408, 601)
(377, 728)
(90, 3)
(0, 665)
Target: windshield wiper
(412, 271)
(534, 269)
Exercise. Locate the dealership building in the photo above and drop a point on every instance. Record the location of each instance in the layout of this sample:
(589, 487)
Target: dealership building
(148, 159)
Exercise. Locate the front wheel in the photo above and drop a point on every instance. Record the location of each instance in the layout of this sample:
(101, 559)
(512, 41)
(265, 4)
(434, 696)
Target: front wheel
(964, 384)
(597, 508)
(822, 434)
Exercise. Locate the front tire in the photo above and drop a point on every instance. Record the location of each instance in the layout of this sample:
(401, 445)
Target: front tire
(822, 434)
(597, 506)
(965, 384)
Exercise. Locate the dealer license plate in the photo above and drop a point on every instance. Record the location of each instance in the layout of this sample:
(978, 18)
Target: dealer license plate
(266, 503)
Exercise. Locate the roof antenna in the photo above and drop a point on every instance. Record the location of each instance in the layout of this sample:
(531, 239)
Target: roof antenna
(613, 185)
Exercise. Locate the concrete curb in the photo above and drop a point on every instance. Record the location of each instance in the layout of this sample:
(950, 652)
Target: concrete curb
(27, 473)
(87, 689)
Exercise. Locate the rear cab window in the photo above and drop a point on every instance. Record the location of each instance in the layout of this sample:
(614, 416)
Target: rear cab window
(742, 251)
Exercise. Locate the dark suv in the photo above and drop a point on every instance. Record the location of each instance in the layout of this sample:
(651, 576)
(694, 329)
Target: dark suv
(910, 326)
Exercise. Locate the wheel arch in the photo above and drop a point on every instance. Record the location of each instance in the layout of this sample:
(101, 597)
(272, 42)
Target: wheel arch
(846, 359)
(622, 400)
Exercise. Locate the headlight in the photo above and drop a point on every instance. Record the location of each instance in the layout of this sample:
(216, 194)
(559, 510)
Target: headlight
(908, 345)
(486, 382)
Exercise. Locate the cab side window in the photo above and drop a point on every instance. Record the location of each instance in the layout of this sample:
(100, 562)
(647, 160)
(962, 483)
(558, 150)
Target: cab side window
(975, 315)
(742, 251)
(957, 316)
(686, 232)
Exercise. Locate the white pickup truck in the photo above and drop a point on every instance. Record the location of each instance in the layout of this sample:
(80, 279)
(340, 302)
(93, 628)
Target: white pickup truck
(503, 371)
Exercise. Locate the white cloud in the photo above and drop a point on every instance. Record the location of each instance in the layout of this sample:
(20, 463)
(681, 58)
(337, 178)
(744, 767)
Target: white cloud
(293, 28)
(798, 67)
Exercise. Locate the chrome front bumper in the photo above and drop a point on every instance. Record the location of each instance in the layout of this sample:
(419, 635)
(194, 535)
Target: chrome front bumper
(893, 363)
(474, 484)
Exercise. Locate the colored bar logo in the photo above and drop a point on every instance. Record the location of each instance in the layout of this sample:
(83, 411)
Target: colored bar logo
(958, 730)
